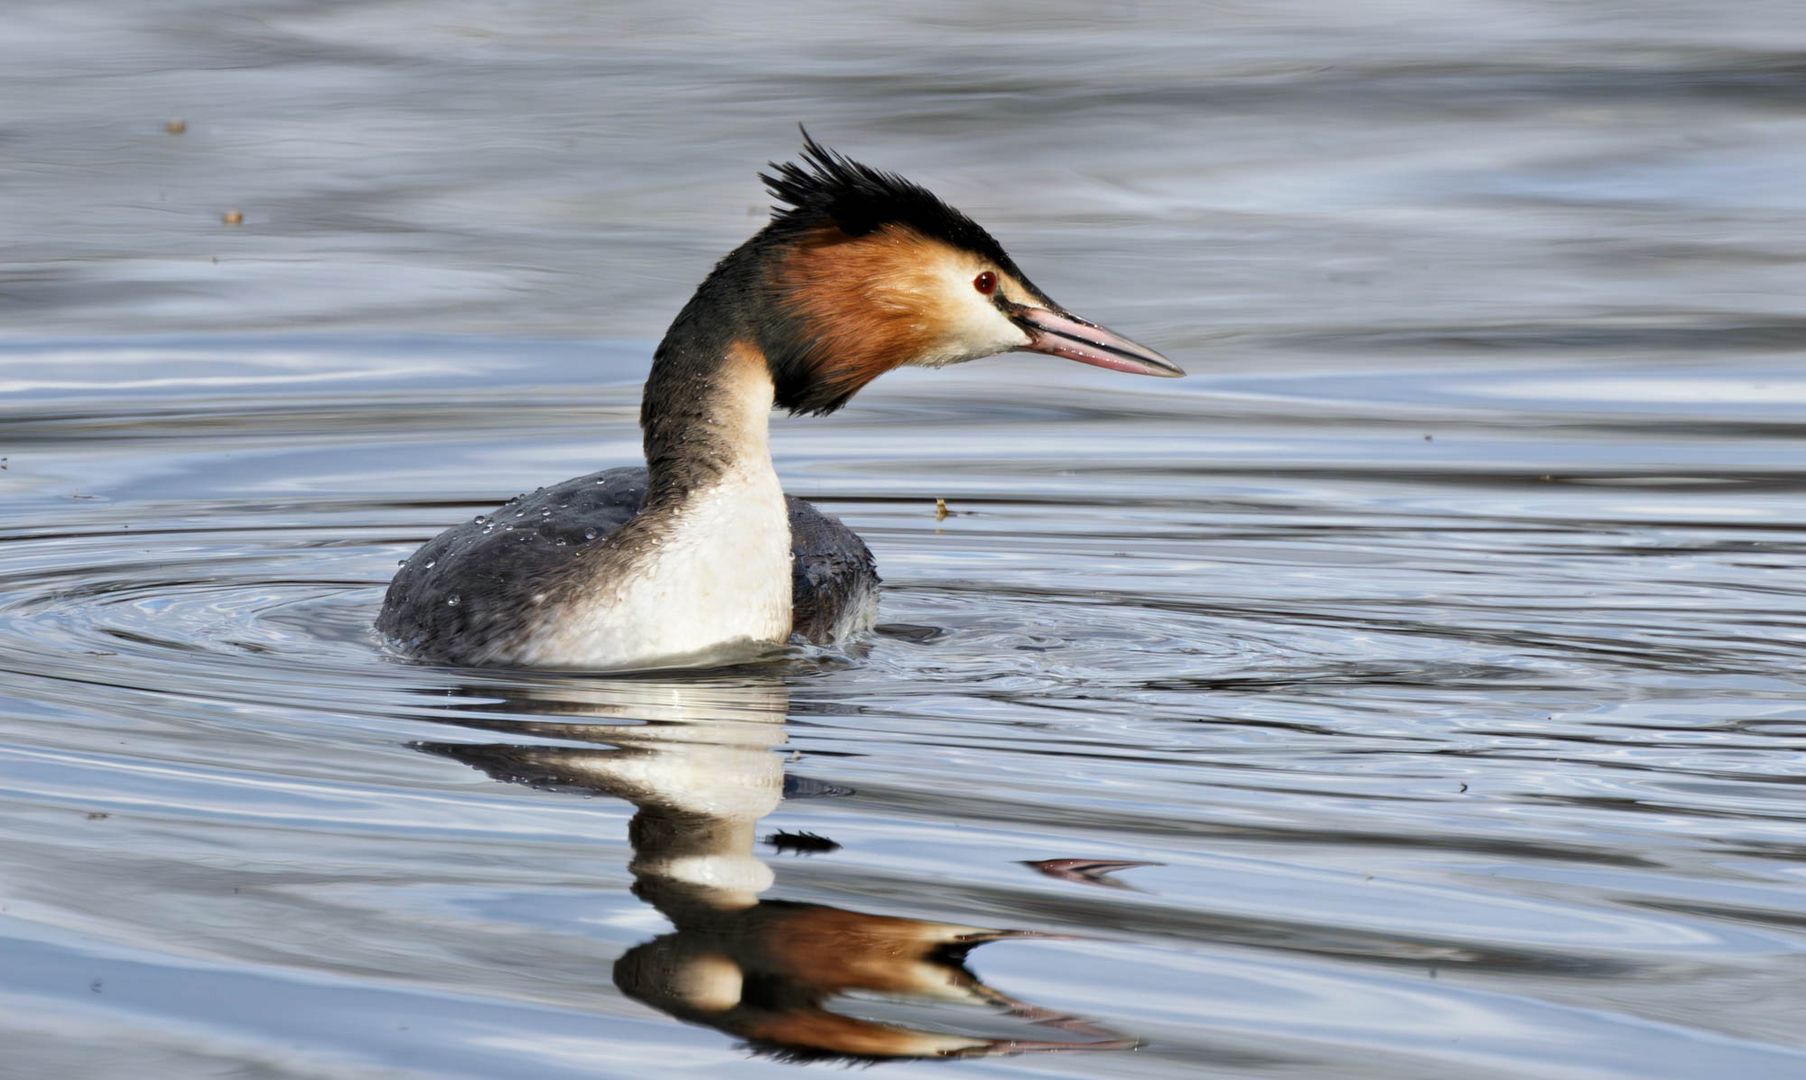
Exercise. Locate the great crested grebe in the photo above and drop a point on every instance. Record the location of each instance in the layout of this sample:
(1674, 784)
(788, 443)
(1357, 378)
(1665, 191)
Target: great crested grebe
(699, 557)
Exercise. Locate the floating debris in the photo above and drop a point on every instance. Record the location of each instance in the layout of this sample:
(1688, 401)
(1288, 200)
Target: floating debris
(234, 217)
(801, 843)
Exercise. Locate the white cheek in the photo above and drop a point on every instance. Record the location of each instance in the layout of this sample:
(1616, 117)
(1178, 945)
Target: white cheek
(986, 330)
(976, 328)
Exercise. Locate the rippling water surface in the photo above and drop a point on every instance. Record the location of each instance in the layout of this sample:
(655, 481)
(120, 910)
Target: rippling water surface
(1413, 692)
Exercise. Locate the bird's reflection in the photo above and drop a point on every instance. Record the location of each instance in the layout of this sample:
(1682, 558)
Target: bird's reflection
(700, 762)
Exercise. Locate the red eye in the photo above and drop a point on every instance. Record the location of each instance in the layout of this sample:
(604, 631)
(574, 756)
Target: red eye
(985, 283)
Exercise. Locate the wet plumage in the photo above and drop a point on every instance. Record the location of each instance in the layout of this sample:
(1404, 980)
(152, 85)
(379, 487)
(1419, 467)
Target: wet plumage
(465, 584)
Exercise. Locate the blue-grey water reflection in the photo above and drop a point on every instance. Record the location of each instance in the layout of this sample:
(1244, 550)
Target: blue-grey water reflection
(1432, 653)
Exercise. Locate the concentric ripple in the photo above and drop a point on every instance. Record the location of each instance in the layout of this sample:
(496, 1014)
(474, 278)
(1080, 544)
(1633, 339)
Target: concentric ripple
(1295, 737)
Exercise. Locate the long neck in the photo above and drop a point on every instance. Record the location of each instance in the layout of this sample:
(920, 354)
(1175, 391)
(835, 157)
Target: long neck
(705, 423)
(707, 405)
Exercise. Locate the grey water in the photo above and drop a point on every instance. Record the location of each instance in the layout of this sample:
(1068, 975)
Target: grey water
(1413, 691)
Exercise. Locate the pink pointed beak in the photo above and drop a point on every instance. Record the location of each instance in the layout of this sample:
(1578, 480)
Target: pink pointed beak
(1059, 333)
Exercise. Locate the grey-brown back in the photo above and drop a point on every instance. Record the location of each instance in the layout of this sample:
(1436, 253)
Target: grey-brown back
(472, 586)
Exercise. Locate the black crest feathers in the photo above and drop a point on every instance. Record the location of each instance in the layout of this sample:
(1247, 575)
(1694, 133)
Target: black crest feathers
(826, 187)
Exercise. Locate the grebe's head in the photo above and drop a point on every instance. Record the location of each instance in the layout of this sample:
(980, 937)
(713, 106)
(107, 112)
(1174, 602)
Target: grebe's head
(867, 272)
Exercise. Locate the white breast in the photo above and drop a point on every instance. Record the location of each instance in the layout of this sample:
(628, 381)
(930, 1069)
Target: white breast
(712, 582)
